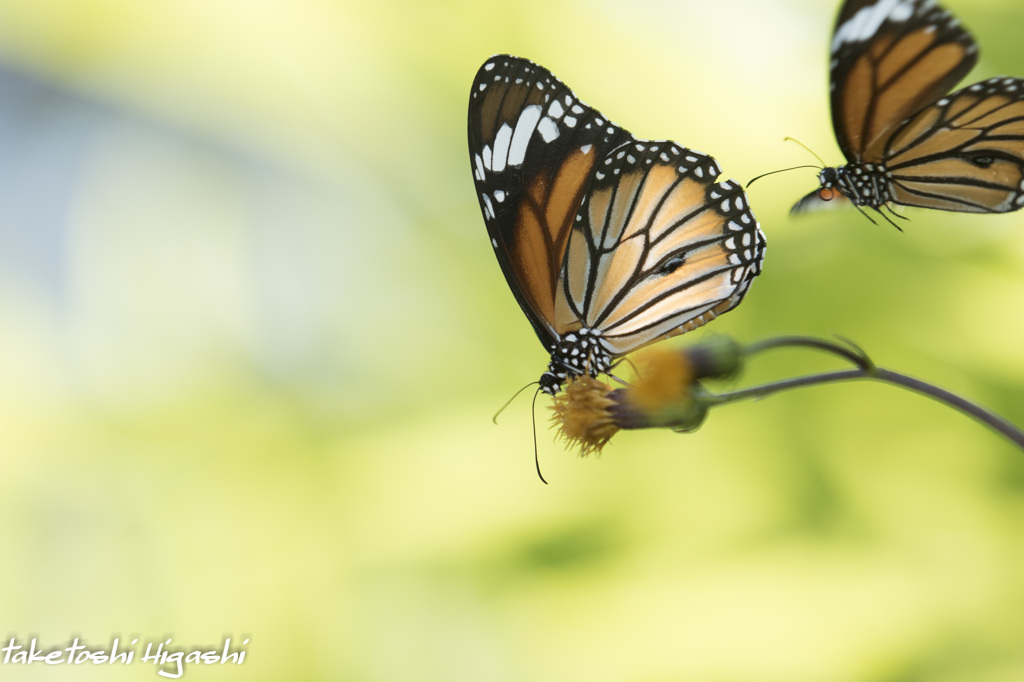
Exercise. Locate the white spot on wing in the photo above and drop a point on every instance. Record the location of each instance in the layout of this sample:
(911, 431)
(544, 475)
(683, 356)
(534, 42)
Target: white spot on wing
(501, 143)
(555, 110)
(548, 129)
(866, 22)
(528, 118)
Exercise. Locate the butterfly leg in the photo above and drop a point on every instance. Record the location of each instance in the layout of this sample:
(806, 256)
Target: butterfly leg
(887, 218)
(863, 213)
(616, 364)
(893, 211)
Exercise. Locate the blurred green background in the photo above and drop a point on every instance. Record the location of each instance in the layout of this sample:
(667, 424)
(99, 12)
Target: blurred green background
(252, 335)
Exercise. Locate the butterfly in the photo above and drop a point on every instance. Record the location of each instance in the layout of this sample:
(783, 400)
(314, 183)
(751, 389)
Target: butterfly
(905, 139)
(608, 242)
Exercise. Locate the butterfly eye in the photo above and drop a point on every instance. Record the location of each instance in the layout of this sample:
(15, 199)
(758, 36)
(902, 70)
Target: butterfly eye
(981, 161)
(672, 264)
(826, 194)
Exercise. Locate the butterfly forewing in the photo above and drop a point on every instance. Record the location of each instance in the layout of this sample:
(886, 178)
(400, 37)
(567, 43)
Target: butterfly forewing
(658, 247)
(890, 59)
(534, 148)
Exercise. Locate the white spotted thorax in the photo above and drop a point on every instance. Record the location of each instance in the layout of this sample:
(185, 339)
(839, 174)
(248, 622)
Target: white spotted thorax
(866, 184)
(578, 353)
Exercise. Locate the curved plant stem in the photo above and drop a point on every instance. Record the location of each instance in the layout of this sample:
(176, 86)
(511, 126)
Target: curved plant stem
(850, 351)
(993, 421)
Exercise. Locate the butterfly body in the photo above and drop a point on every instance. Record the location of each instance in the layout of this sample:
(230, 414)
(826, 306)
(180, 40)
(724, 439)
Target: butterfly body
(907, 141)
(607, 241)
(865, 184)
(576, 354)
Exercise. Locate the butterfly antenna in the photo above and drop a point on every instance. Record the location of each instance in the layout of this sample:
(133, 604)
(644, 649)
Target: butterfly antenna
(536, 457)
(780, 171)
(793, 139)
(509, 401)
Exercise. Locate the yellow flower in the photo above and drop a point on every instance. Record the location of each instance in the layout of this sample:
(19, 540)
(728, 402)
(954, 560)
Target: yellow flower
(584, 414)
(664, 377)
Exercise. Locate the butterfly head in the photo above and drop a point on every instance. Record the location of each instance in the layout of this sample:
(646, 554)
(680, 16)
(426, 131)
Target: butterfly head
(551, 382)
(831, 185)
(828, 178)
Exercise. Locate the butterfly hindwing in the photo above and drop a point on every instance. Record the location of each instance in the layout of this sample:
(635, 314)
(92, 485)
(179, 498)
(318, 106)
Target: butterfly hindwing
(891, 59)
(658, 247)
(534, 147)
(964, 153)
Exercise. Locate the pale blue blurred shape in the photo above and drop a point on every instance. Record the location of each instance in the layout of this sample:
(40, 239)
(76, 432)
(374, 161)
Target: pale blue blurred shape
(44, 134)
(288, 269)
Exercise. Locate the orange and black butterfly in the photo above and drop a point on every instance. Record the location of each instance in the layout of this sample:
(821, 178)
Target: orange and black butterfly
(608, 242)
(906, 140)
